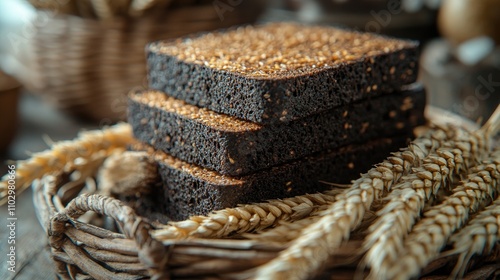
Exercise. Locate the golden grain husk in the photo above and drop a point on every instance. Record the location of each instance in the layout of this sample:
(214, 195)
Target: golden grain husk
(307, 254)
(246, 218)
(478, 237)
(441, 168)
(375, 183)
(431, 233)
(324, 236)
(67, 155)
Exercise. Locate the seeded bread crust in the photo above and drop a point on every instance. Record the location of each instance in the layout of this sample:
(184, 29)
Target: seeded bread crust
(191, 190)
(235, 147)
(318, 84)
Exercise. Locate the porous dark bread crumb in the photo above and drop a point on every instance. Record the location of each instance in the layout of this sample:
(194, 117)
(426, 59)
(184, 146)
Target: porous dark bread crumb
(280, 71)
(236, 147)
(191, 190)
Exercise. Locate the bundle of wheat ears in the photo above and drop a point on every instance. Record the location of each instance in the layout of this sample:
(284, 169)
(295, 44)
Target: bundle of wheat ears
(431, 208)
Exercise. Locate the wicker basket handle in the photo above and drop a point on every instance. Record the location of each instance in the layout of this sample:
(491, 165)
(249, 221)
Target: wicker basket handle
(152, 253)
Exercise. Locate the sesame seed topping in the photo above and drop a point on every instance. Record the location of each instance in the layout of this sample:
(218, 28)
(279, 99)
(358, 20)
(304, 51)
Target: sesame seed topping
(284, 49)
(207, 117)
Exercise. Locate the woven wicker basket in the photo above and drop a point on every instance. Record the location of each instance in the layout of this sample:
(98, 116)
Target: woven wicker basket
(93, 236)
(87, 66)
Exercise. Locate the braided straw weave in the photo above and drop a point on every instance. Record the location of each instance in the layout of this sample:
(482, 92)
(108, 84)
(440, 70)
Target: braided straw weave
(86, 66)
(95, 236)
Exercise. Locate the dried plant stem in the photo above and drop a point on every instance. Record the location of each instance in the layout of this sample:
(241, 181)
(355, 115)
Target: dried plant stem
(478, 237)
(431, 233)
(246, 218)
(408, 199)
(255, 217)
(388, 172)
(320, 240)
(410, 195)
(65, 155)
(286, 231)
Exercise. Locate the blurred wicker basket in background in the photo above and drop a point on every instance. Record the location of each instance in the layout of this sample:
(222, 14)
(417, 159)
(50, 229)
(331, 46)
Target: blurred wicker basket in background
(86, 66)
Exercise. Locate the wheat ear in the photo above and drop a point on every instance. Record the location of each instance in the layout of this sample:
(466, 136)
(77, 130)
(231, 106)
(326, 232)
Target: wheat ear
(386, 173)
(259, 216)
(62, 155)
(410, 195)
(404, 201)
(385, 241)
(319, 240)
(478, 237)
(246, 218)
(431, 233)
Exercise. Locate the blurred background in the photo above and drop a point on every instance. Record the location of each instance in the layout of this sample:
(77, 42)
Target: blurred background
(67, 65)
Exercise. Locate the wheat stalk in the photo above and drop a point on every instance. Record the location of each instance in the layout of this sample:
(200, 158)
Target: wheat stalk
(286, 231)
(245, 218)
(406, 202)
(385, 241)
(410, 195)
(478, 237)
(66, 154)
(259, 216)
(373, 183)
(431, 233)
(320, 239)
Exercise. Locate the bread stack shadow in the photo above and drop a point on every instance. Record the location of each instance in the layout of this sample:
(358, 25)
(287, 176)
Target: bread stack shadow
(272, 111)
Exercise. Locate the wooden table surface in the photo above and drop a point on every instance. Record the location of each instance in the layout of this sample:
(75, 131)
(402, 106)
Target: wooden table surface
(32, 252)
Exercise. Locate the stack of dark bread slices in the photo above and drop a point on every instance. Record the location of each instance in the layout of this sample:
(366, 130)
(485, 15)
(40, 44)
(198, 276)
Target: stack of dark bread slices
(272, 111)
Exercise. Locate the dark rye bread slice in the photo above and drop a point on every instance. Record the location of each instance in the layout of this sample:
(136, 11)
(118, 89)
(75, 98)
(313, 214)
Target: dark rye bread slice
(280, 71)
(191, 190)
(235, 147)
